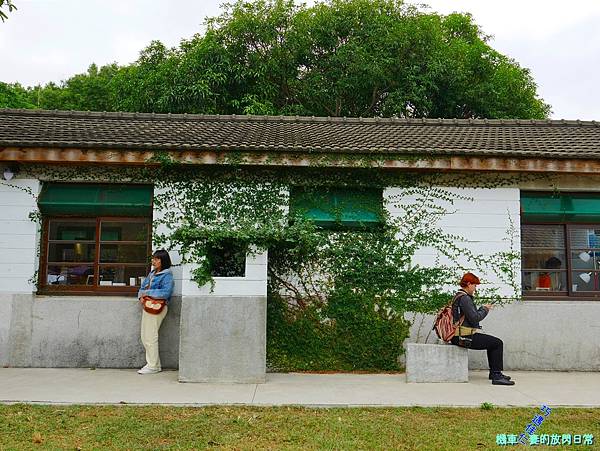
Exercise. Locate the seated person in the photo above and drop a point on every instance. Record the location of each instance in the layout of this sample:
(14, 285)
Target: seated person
(465, 305)
(544, 281)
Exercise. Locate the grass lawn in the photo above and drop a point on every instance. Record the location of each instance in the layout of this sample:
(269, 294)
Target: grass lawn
(158, 427)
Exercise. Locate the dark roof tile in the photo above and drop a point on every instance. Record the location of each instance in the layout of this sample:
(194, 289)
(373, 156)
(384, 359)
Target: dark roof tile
(485, 137)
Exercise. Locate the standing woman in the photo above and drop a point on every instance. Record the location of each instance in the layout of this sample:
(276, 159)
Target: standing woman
(154, 295)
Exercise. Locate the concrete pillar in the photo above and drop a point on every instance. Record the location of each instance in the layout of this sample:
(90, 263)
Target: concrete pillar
(223, 331)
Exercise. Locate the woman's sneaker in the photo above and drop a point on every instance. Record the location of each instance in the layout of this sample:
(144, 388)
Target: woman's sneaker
(500, 379)
(148, 370)
(491, 376)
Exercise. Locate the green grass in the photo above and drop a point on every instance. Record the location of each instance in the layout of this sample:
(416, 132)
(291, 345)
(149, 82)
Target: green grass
(26, 427)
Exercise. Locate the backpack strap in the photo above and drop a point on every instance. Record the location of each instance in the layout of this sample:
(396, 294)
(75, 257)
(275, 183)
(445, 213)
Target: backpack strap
(459, 294)
(461, 318)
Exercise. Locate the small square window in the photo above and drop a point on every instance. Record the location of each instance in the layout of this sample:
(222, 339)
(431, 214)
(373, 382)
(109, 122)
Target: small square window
(228, 259)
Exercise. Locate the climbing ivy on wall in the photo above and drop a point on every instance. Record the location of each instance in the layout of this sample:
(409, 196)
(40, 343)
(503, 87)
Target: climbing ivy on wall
(336, 298)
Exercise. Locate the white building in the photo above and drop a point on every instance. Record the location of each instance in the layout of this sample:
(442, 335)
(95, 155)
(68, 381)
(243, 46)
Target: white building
(91, 246)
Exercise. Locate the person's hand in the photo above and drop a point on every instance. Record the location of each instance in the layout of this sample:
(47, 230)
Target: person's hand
(488, 306)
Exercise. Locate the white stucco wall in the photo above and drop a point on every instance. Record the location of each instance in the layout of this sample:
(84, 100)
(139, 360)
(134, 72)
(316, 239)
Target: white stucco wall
(19, 244)
(18, 235)
(482, 220)
(254, 282)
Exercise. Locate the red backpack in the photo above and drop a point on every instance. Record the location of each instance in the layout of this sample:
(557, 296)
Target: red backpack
(444, 324)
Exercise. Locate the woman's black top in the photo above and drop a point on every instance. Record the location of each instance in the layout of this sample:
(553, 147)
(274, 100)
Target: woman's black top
(467, 307)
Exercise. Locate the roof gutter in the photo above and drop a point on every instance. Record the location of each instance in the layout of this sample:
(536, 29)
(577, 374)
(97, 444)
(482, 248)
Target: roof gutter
(129, 157)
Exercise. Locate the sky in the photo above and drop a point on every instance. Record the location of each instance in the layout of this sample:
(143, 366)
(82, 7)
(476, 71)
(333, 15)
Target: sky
(51, 40)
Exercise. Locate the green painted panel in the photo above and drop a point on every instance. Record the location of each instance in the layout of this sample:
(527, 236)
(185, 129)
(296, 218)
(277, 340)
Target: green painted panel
(560, 207)
(95, 199)
(338, 207)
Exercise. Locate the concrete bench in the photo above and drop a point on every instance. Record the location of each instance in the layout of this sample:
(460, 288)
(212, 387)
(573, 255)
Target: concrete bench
(436, 363)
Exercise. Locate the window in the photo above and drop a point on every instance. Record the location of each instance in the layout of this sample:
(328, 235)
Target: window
(338, 208)
(227, 259)
(87, 252)
(560, 244)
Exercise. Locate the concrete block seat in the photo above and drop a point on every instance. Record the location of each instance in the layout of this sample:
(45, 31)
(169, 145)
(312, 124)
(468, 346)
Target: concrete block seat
(436, 363)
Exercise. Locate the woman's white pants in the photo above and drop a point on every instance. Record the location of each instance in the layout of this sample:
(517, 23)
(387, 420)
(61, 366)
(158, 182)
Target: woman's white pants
(150, 326)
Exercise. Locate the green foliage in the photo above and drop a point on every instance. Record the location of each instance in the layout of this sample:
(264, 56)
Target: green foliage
(14, 96)
(90, 91)
(347, 333)
(335, 58)
(336, 298)
(10, 7)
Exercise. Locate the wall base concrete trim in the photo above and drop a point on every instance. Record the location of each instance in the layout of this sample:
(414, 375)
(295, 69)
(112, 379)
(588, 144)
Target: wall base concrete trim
(80, 332)
(436, 363)
(20, 326)
(103, 332)
(223, 339)
(538, 335)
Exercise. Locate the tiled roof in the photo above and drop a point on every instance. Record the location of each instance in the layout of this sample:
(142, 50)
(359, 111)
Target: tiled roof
(518, 138)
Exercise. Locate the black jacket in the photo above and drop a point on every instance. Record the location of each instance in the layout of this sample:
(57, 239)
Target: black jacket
(467, 307)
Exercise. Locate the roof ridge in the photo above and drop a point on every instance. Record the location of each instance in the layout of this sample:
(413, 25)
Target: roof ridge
(302, 119)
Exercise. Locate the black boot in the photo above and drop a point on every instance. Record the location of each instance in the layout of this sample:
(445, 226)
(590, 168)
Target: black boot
(499, 379)
(491, 376)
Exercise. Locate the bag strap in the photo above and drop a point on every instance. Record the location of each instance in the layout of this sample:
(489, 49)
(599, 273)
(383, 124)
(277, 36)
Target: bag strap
(461, 318)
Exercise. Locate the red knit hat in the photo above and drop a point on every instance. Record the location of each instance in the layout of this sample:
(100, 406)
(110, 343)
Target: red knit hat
(469, 278)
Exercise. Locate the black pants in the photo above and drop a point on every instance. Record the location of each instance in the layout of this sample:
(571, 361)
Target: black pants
(493, 345)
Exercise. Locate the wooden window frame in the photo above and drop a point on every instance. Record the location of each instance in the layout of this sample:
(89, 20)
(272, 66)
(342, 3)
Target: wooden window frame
(45, 288)
(558, 295)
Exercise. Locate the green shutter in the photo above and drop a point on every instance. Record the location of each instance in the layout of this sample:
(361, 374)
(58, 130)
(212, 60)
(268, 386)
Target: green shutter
(560, 207)
(95, 199)
(338, 207)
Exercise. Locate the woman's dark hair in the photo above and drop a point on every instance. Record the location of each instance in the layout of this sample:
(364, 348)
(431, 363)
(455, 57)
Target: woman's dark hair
(165, 260)
(553, 263)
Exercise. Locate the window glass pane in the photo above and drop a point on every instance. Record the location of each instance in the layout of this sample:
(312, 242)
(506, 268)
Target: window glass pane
(122, 276)
(70, 275)
(587, 260)
(552, 236)
(543, 259)
(72, 230)
(71, 252)
(123, 253)
(585, 281)
(585, 238)
(544, 281)
(123, 231)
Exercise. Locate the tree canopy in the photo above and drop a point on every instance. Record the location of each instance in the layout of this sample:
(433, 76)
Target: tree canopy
(336, 58)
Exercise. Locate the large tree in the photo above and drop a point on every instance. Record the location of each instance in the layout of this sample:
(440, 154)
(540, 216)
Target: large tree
(336, 58)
